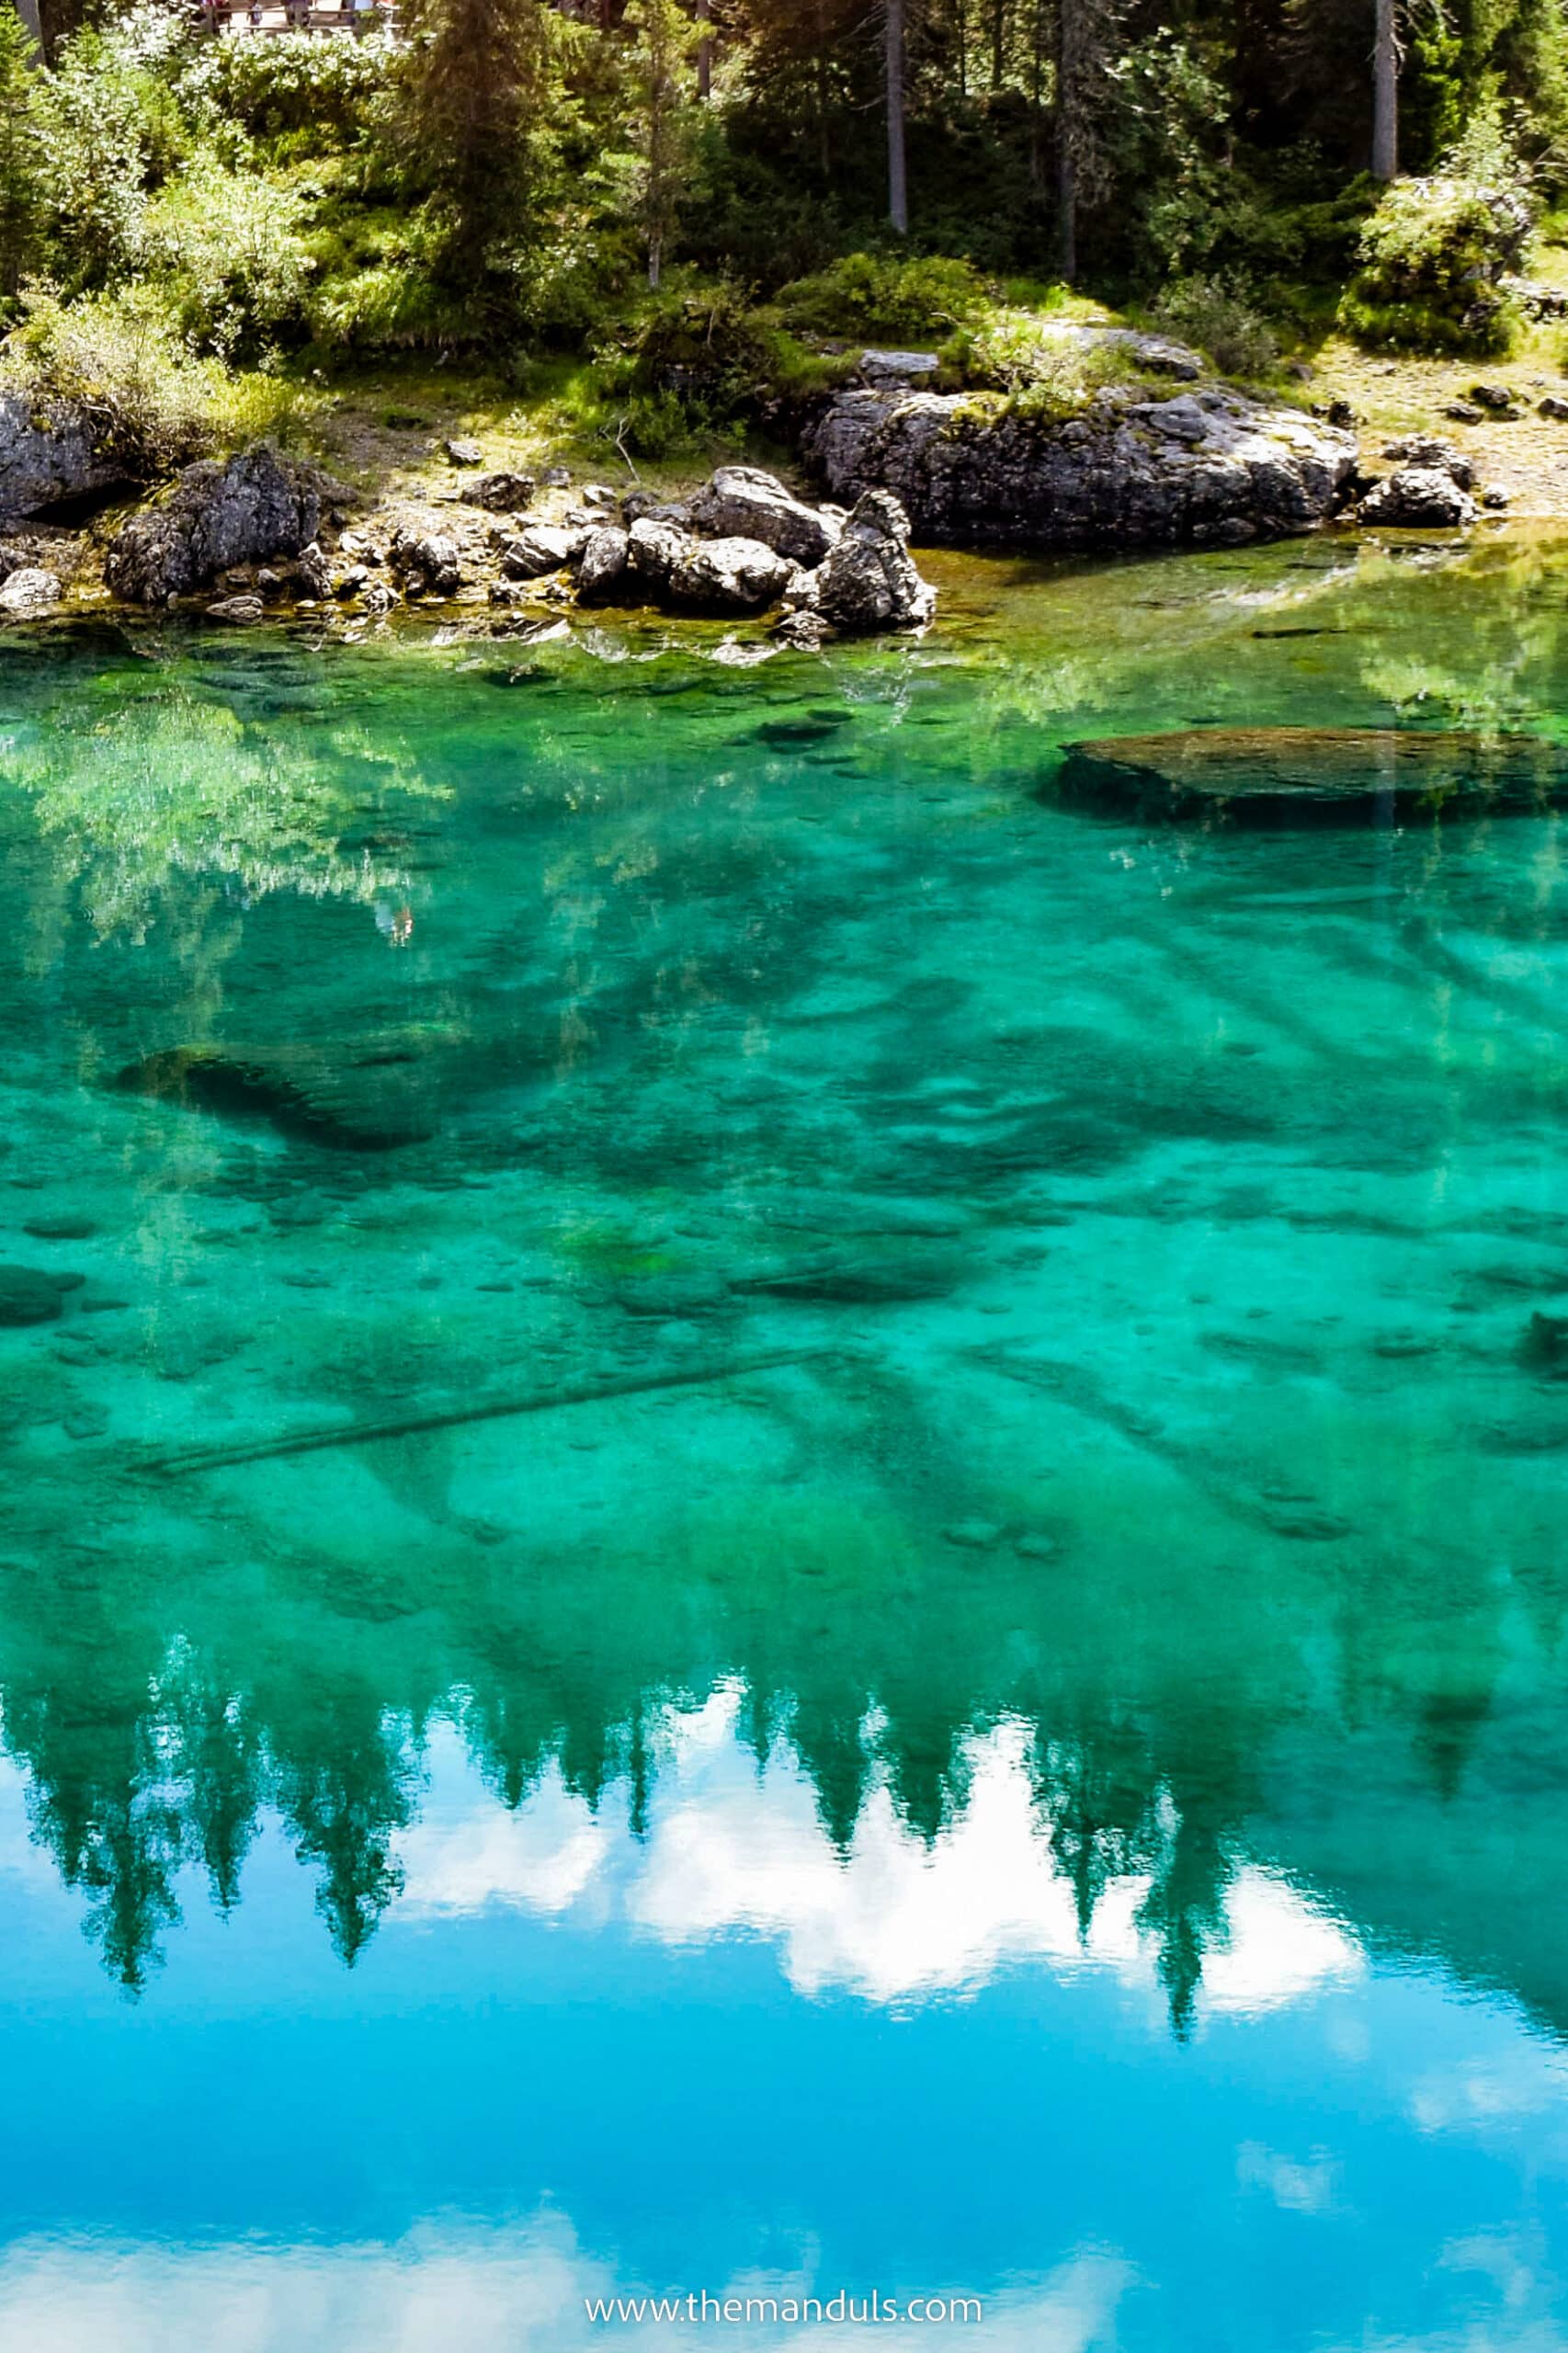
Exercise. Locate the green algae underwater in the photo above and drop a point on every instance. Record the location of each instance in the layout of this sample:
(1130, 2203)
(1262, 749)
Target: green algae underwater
(697, 1391)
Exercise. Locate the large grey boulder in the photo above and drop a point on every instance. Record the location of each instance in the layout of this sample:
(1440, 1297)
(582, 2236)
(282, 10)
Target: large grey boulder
(601, 561)
(722, 576)
(868, 581)
(743, 503)
(50, 452)
(1205, 467)
(30, 590)
(542, 548)
(219, 513)
(1421, 498)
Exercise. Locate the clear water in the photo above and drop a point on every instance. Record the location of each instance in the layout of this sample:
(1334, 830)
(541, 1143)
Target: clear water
(1012, 1742)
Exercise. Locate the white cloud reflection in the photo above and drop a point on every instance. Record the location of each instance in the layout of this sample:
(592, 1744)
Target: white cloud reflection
(521, 2288)
(733, 1848)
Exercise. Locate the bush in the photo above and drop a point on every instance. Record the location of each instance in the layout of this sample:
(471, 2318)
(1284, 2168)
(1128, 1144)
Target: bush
(314, 93)
(873, 294)
(1431, 256)
(228, 248)
(1214, 314)
(120, 358)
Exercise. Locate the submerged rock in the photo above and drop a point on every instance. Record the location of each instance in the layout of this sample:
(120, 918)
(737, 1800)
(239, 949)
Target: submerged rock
(255, 505)
(1545, 1346)
(1124, 471)
(32, 1295)
(1310, 776)
(358, 1100)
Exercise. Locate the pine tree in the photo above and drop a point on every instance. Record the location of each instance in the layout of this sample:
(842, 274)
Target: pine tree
(476, 81)
(664, 84)
(20, 194)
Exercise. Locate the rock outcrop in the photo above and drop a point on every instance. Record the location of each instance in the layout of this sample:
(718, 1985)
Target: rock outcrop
(1124, 471)
(742, 503)
(1423, 497)
(218, 514)
(50, 451)
(869, 580)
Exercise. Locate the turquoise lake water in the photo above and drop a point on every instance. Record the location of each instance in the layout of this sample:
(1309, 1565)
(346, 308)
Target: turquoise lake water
(1009, 1741)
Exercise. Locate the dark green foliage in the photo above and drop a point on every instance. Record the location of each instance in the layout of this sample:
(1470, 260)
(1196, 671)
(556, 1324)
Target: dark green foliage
(21, 186)
(506, 176)
(1432, 255)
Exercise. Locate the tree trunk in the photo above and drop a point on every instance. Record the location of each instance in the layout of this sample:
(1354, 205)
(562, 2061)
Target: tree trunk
(898, 179)
(998, 41)
(1066, 159)
(705, 50)
(656, 260)
(824, 142)
(1385, 94)
(963, 53)
(32, 24)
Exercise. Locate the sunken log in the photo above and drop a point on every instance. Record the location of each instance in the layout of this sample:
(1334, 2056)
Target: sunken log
(1312, 776)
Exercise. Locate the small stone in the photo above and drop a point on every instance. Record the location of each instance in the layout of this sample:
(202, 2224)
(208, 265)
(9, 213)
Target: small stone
(1552, 407)
(60, 1229)
(972, 1535)
(555, 477)
(463, 453)
(1497, 398)
(1463, 412)
(235, 612)
(1036, 1547)
(499, 493)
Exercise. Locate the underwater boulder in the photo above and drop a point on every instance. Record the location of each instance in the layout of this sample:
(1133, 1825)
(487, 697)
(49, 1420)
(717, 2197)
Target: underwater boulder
(1310, 776)
(32, 1295)
(362, 1099)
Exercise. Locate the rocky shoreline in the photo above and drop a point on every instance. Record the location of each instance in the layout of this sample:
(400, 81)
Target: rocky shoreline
(1133, 466)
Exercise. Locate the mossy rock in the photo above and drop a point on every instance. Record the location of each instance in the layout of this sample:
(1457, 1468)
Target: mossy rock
(1312, 776)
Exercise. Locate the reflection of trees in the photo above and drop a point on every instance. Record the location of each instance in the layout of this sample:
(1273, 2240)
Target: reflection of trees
(158, 1720)
(157, 775)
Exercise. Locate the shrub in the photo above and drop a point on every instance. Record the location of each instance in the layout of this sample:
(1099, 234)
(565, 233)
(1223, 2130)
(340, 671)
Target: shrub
(230, 250)
(316, 94)
(1214, 314)
(873, 294)
(120, 358)
(1431, 256)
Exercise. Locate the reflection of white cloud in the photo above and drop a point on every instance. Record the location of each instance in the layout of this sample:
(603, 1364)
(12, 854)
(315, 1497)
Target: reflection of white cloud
(1525, 2304)
(1477, 2095)
(518, 2290)
(1295, 2188)
(460, 1856)
(735, 1848)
